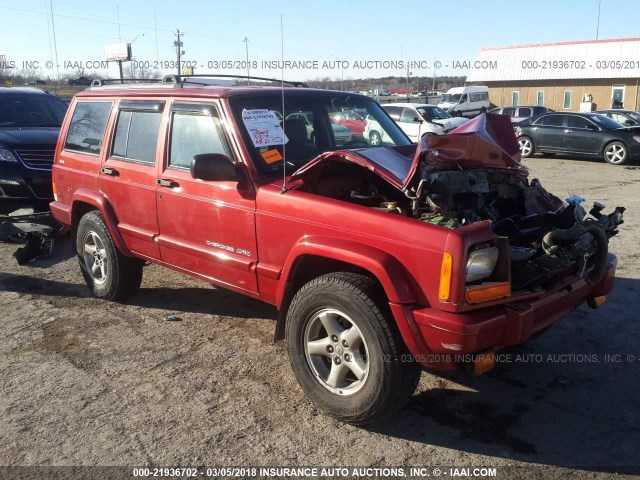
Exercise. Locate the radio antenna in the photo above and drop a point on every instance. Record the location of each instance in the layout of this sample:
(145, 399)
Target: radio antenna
(284, 147)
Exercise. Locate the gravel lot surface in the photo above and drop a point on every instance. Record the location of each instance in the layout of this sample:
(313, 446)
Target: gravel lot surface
(85, 382)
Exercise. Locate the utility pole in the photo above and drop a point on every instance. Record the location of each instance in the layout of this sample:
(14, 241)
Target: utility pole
(246, 44)
(179, 52)
(598, 25)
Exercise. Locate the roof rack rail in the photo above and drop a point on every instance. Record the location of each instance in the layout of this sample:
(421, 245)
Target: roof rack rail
(104, 82)
(185, 79)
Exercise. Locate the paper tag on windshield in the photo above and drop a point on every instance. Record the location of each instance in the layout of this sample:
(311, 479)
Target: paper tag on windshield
(264, 127)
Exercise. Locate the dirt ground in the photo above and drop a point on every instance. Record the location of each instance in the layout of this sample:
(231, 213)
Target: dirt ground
(85, 382)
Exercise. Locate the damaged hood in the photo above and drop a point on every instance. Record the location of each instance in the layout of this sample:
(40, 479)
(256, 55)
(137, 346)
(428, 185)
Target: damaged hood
(487, 141)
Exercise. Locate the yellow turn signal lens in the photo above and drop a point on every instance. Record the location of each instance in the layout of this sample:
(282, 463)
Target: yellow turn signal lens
(444, 293)
(488, 291)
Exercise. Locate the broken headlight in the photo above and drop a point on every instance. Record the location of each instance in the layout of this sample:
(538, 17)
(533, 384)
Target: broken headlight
(481, 263)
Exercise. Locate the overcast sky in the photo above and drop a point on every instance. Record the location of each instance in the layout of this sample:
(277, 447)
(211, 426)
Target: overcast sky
(325, 30)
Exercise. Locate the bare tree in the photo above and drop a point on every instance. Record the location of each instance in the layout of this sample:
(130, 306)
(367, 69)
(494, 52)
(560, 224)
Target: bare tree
(144, 73)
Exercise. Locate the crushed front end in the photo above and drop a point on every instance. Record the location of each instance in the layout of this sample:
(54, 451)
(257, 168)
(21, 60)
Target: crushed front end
(523, 258)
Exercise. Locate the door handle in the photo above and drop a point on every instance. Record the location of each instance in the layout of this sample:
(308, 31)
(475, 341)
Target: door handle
(566, 130)
(163, 182)
(110, 171)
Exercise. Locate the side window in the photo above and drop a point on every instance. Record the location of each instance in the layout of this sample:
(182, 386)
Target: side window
(87, 126)
(553, 120)
(394, 112)
(464, 98)
(193, 134)
(578, 122)
(136, 136)
(619, 118)
(478, 97)
(408, 115)
(508, 111)
(524, 112)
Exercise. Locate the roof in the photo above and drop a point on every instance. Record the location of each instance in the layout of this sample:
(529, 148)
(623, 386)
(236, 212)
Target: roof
(16, 90)
(171, 90)
(589, 59)
(406, 104)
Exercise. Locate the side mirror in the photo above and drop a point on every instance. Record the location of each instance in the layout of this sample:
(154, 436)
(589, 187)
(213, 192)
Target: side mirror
(628, 122)
(213, 167)
(417, 120)
(592, 127)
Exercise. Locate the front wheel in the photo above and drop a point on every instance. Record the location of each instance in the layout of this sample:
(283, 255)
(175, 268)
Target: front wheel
(109, 274)
(345, 349)
(616, 153)
(375, 138)
(526, 147)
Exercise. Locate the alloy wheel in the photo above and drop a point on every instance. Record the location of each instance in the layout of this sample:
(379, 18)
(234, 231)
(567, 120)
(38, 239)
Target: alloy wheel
(95, 257)
(336, 352)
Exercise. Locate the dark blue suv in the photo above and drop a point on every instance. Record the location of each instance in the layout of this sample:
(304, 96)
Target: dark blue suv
(30, 122)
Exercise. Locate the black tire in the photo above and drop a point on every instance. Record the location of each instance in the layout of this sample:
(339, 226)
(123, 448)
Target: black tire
(483, 110)
(375, 138)
(116, 276)
(616, 153)
(525, 144)
(390, 375)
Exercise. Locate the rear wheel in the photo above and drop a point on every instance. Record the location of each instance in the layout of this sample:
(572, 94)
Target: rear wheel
(616, 153)
(526, 147)
(109, 274)
(345, 349)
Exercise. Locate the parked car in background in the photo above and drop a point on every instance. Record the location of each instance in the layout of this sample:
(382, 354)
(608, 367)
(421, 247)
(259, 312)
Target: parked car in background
(418, 119)
(375, 134)
(351, 119)
(579, 133)
(466, 101)
(79, 82)
(520, 113)
(30, 122)
(627, 118)
(34, 83)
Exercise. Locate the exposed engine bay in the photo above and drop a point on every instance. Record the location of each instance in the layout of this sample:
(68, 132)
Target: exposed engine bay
(548, 238)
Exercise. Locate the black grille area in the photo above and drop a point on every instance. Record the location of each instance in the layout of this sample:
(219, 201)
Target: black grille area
(37, 158)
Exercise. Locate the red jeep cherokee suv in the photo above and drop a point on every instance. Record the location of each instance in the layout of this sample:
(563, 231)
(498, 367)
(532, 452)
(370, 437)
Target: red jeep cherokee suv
(381, 259)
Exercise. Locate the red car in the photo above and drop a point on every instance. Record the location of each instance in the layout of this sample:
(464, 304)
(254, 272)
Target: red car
(381, 260)
(350, 119)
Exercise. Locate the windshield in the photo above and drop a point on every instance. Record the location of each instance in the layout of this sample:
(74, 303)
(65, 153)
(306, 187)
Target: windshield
(313, 124)
(433, 113)
(17, 110)
(606, 122)
(455, 98)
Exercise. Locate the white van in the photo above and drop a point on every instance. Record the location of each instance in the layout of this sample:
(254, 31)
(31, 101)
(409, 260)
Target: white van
(465, 101)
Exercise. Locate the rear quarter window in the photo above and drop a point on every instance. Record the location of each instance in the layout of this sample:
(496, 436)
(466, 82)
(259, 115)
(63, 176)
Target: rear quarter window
(87, 126)
(136, 136)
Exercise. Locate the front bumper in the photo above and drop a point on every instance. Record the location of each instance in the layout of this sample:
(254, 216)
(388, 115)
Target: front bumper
(20, 187)
(440, 339)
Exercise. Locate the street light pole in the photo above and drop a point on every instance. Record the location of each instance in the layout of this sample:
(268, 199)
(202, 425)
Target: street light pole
(133, 68)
